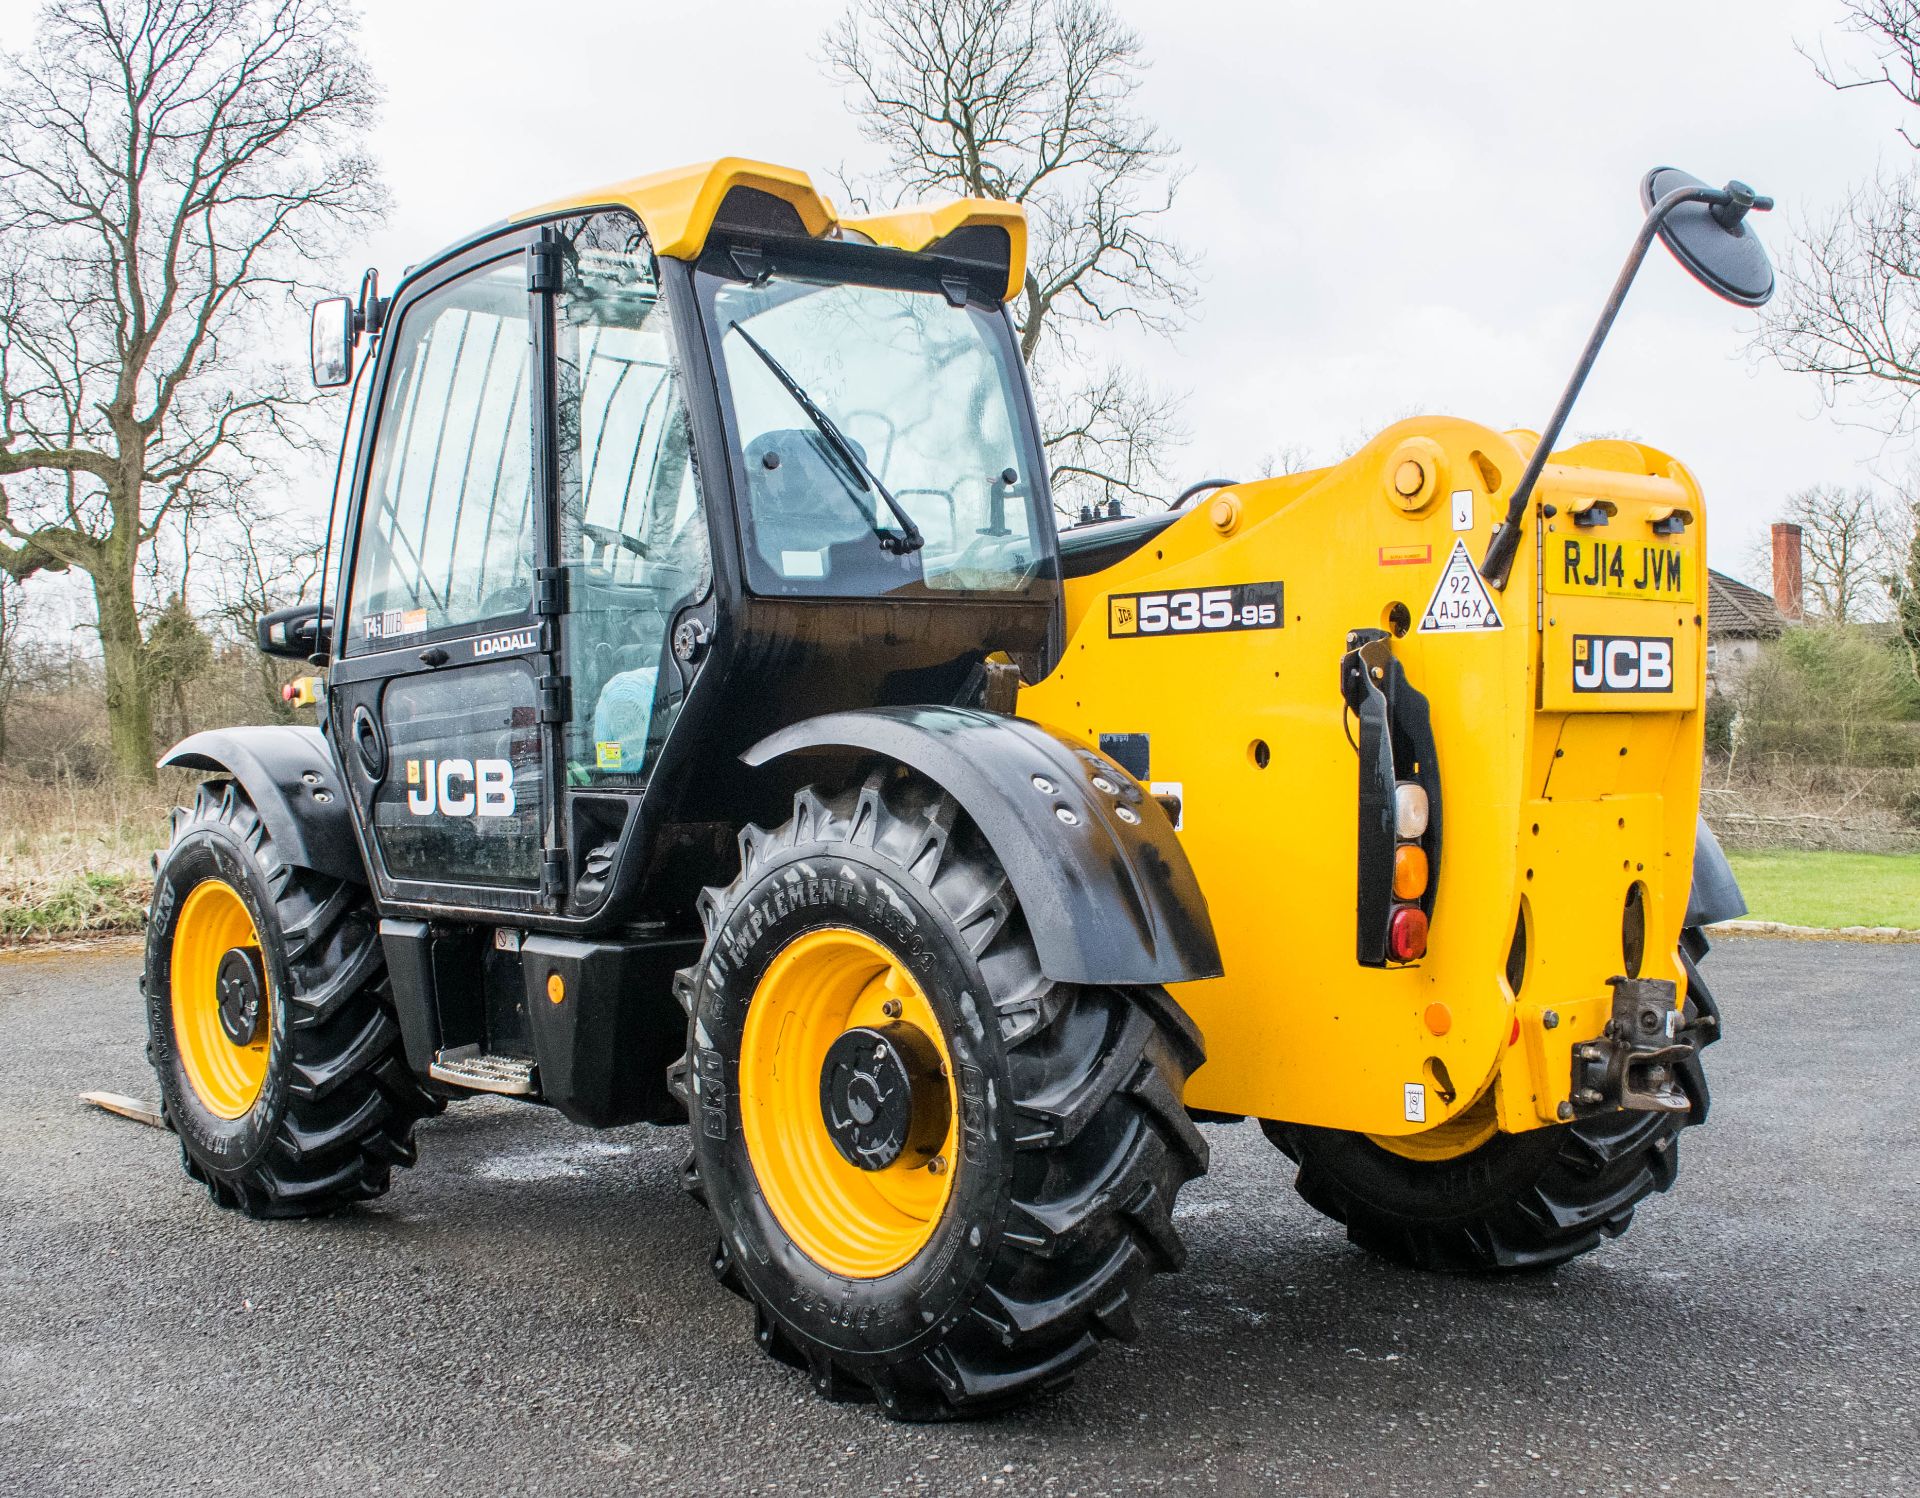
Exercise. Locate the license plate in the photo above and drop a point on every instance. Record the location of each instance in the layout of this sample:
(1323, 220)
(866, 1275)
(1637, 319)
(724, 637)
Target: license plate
(1593, 567)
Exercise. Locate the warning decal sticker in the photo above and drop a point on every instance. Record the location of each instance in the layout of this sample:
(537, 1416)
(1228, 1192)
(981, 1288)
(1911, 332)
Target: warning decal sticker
(1461, 603)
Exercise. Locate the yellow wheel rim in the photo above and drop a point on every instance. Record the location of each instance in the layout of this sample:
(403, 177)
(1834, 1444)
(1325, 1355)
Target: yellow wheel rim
(857, 1223)
(227, 1078)
(1460, 1135)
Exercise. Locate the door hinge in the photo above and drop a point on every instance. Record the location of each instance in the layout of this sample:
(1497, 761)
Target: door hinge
(544, 263)
(549, 591)
(553, 873)
(553, 695)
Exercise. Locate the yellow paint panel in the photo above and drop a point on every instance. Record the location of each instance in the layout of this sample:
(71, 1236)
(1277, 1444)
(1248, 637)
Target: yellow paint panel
(1297, 1029)
(918, 228)
(679, 206)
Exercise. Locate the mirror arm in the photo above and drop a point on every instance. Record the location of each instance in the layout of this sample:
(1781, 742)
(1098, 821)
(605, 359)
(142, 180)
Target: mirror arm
(1505, 541)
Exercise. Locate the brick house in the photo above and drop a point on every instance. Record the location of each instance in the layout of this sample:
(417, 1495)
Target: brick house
(1741, 619)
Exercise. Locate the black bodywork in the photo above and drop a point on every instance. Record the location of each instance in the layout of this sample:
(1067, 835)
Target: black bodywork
(291, 776)
(1107, 891)
(772, 692)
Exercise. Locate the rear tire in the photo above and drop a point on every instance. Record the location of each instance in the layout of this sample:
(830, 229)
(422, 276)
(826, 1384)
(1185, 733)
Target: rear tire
(1068, 1134)
(314, 1112)
(1518, 1201)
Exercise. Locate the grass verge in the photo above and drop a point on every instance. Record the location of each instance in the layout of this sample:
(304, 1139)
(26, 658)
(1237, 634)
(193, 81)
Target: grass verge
(76, 905)
(1803, 888)
(75, 859)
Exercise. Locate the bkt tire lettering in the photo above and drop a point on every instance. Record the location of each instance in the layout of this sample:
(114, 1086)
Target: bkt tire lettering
(460, 788)
(1622, 663)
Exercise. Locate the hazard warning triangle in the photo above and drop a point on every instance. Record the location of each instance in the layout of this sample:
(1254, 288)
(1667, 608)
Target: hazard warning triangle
(1461, 603)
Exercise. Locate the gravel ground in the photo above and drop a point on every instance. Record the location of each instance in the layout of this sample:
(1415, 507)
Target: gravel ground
(530, 1310)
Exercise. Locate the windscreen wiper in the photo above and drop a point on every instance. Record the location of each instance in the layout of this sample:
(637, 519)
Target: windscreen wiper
(909, 539)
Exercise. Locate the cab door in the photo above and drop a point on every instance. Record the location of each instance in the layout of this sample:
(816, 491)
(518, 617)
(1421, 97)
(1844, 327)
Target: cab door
(444, 663)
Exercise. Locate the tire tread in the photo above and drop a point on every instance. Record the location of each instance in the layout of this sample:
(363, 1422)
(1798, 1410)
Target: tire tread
(1102, 1144)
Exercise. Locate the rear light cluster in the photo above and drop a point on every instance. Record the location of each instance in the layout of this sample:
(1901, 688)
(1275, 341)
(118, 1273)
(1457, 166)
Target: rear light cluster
(1407, 926)
(1399, 808)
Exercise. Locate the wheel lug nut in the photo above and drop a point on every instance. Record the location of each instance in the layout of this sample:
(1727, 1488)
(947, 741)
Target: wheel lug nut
(937, 1165)
(891, 1009)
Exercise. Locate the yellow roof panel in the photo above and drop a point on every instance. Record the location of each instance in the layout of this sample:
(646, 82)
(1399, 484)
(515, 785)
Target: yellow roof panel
(678, 208)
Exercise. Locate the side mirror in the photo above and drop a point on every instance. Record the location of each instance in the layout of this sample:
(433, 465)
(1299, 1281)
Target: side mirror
(332, 348)
(1706, 228)
(1713, 238)
(299, 633)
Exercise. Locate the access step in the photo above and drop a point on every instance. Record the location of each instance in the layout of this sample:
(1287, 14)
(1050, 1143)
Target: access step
(469, 1066)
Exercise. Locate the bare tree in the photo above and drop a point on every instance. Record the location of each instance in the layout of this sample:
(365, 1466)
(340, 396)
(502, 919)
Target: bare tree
(1844, 553)
(1032, 102)
(12, 618)
(1901, 550)
(1105, 436)
(1848, 312)
(254, 578)
(168, 169)
(1891, 29)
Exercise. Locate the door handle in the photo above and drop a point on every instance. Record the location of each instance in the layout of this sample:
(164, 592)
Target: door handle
(369, 744)
(433, 655)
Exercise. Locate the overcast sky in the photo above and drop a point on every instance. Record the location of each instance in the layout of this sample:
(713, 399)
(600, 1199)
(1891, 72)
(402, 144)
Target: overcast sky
(1401, 207)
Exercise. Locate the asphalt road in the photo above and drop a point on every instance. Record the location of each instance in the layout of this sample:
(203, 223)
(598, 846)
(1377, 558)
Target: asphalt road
(530, 1309)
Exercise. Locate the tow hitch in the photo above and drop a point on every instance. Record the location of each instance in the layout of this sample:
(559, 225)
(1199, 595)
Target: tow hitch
(1634, 1065)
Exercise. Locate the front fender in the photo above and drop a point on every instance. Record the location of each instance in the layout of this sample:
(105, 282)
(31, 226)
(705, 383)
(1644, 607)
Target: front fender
(1108, 900)
(273, 765)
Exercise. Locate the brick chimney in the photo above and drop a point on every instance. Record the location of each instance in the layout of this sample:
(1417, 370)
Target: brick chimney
(1786, 569)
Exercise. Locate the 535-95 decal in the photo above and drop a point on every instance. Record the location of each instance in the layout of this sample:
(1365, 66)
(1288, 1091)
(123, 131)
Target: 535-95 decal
(1197, 611)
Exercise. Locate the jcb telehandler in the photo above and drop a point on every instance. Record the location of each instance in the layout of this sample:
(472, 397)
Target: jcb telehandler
(716, 729)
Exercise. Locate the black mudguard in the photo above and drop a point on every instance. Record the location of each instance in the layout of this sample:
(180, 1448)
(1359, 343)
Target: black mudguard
(286, 771)
(1715, 895)
(1108, 900)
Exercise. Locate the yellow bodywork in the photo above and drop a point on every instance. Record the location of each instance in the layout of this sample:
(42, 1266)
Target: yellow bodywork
(1556, 802)
(678, 208)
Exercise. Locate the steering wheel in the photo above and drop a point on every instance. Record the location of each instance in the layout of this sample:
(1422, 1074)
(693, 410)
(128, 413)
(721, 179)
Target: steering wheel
(606, 535)
(607, 538)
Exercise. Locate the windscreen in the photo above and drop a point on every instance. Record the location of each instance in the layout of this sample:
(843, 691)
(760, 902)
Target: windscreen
(914, 468)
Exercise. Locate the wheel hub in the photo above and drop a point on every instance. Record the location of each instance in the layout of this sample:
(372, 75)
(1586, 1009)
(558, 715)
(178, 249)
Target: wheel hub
(882, 1096)
(240, 985)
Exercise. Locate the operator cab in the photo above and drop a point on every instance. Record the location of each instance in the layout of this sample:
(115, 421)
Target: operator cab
(613, 515)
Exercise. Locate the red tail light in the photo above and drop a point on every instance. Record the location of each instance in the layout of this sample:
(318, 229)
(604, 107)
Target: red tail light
(1407, 934)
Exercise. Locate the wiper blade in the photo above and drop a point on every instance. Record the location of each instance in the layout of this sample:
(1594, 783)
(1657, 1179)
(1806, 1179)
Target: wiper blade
(909, 539)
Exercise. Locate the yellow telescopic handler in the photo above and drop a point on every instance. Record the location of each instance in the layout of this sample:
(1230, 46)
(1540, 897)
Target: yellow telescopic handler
(715, 729)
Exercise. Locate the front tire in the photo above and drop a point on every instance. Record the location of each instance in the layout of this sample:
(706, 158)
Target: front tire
(981, 1252)
(268, 1021)
(1515, 1201)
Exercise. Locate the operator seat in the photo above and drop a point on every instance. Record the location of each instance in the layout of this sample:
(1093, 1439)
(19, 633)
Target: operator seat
(805, 518)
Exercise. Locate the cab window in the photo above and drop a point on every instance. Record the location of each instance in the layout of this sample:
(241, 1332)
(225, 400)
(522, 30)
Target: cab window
(633, 528)
(926, 401)
(446, 536)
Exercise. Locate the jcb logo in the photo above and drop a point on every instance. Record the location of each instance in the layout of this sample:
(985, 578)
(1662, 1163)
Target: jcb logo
(460, 787)
(1622, 663)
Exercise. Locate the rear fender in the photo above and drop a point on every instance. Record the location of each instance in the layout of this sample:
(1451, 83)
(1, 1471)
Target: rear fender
(288, 772)
(1715, 895)
(1108, 900)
